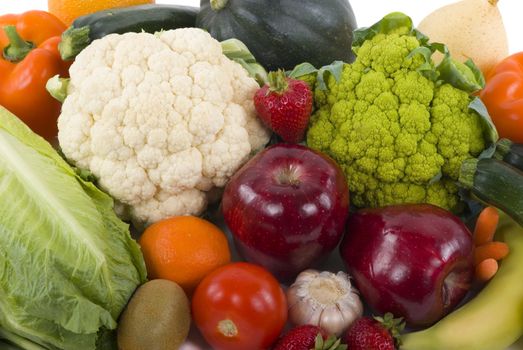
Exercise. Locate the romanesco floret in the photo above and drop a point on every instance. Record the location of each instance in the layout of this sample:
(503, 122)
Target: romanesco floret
(399, 135)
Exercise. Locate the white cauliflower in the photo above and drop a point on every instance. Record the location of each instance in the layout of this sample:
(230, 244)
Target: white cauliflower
(160, 120)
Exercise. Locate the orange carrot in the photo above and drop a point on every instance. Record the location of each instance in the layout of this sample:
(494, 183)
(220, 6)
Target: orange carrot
(486, 225)
(486, 269)
(494, 250)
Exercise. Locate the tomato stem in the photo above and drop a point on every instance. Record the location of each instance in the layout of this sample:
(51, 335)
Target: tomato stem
(227, 328)
(18, 48)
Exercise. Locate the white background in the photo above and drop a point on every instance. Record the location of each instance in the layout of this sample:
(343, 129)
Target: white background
(367, 11)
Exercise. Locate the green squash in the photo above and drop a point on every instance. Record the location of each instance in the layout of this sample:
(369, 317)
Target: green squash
(284, 33)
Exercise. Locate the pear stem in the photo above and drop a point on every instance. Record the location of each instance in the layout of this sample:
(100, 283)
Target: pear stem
(493, 2)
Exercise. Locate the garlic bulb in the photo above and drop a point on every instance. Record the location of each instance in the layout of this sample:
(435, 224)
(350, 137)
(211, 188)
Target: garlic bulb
(324, 299)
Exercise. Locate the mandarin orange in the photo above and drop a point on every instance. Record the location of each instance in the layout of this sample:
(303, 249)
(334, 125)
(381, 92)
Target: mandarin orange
(184, 249)
(69, 10)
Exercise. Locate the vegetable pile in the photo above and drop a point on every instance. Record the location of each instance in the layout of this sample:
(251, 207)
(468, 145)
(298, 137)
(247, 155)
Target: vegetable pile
(245, 176)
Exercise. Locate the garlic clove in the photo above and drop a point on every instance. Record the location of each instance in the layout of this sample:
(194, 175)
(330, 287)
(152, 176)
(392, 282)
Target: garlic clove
(332, 320)
(351, 309)
(303, 315)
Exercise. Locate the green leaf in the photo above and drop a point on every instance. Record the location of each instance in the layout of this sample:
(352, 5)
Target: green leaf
(302, 70)
(488, 152)
(422, 38)
(335, 68)
(424, 51)
(436, 178)
(318, 342)
(427, 69)
(388, 24)
(464, 76)
(21, 343)
(478, 75)
(57, 87)
(489, 129)
(331, 340)
(68, 265)
(337, 345)
(331, 343)
(237, 51)
(394, 325)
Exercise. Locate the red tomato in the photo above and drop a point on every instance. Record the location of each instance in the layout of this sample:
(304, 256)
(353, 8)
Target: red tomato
(239, 306)
(503, 96)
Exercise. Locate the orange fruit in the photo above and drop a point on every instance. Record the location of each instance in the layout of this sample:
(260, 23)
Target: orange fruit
(69, 10)
(184, 249)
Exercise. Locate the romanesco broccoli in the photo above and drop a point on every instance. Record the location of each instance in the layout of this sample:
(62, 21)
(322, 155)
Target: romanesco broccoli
(398, 124)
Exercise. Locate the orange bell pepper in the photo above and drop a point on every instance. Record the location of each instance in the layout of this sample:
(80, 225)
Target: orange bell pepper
(28, 58)
(503, 96)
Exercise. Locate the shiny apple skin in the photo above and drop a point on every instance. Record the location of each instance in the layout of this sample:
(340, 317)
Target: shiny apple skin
(400, 257)
(287, 227)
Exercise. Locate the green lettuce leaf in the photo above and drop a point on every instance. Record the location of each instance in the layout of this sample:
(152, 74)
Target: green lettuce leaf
(68, 265)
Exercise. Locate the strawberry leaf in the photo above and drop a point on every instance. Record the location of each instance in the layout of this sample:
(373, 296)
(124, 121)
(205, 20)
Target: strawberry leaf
(394, 325)
(318, 342)
(331, 343)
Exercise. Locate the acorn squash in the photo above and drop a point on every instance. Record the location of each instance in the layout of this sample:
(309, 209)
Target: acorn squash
(284, 33)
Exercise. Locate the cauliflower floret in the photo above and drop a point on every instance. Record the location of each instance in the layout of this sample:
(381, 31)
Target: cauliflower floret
(160, 120)
(400, 135)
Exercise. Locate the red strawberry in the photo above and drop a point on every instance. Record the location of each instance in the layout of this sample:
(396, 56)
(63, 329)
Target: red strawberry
(378, 333)
(285, 106)
(308, 337)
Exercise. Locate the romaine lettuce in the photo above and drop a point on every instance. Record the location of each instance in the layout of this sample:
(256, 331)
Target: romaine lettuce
(68, 265)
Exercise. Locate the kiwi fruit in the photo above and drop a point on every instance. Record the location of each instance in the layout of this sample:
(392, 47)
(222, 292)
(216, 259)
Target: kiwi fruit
(157, 317)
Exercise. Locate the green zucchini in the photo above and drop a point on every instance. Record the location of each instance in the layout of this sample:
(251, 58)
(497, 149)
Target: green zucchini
(510, 152)
(495, 183)
(148, 18)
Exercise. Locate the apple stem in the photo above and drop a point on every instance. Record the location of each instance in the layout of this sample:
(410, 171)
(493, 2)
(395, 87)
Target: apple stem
(288, 177)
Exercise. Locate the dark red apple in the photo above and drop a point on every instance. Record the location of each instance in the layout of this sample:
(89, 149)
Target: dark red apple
(415, 261)
(287, 208)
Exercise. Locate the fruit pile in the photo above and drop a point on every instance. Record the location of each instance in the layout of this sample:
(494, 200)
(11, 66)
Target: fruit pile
(241, 177)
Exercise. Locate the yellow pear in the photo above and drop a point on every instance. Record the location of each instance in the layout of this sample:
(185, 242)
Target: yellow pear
(471, 29)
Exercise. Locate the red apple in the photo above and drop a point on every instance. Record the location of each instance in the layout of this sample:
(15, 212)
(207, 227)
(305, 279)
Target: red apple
(415, 261)
(286, 208)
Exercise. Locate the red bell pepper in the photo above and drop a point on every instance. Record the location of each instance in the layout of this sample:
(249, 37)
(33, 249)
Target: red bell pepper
(503, 96)
(28, 58)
